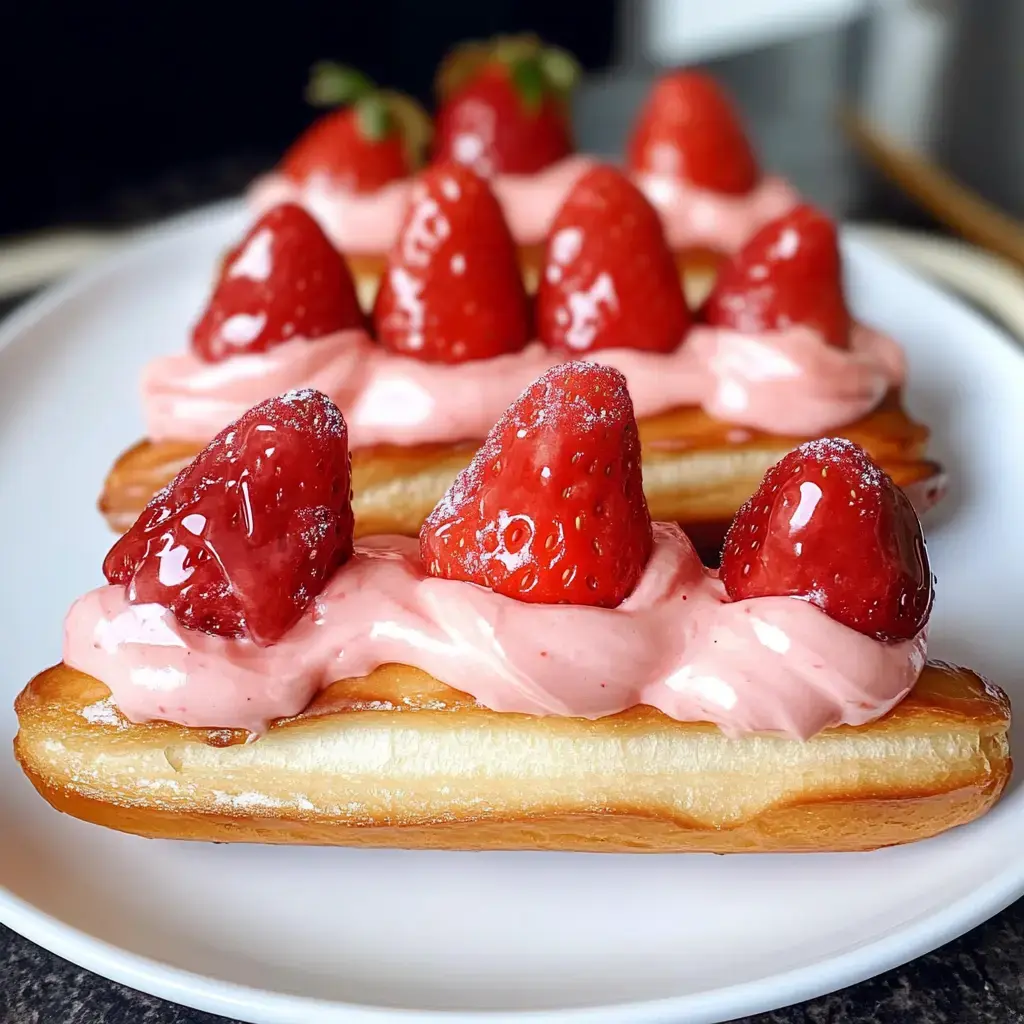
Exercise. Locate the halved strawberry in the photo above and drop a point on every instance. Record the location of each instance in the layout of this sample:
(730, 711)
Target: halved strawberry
(828, 526)
(377, 137)
(789, 273)
(552, 508)
(245, 536)
(609, 279)
(452, 290)
(689, 130)
(503, 106)
(284, 280)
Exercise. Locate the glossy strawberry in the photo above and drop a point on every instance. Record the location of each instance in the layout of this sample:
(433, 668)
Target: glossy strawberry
(609, 279)
(827, 525)
(452, 290)
(375, 138)
(552, 508)
(244, 537)
(503, 106)
(284, 280)
(689, 130)
(789, 273)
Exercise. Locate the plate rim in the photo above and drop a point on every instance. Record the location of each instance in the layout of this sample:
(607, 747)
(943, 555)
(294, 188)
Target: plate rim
(262, 1006)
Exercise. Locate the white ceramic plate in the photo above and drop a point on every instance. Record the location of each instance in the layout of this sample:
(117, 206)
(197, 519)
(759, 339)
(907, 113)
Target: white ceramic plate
(276, 934)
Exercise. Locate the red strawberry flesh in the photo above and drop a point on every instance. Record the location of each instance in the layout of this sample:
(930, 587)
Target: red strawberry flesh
(689, 130)
(284, 280)
(243, 538)
(552, 508)
(830, 527)
(788, 274)
(609, 279)
(452, 290)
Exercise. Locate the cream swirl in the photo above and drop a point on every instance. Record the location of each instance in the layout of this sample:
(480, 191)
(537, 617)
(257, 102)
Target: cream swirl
(695, 218)
(678, 644)
(784, 382)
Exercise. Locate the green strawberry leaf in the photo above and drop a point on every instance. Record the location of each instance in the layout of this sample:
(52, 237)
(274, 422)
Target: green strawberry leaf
(530, 83)
(561, 68)
(334, 85)
(374, 117)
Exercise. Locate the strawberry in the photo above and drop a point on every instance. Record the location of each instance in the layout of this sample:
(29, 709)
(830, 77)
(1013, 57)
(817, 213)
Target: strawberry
(609, 279)
(375, 138)
(503, 106)
(689, 130)
(552, 507)
(284, 280)
(452, 290)
(828, 526)
(789, 273)
(245, 536)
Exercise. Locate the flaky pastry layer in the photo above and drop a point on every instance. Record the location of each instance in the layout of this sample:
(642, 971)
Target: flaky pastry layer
(697, 471)
(399, 759)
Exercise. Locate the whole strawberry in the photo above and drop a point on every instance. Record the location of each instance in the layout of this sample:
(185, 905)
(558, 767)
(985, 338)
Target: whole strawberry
(828, 526)
(245, 536)
(609, 279)
(503, 106)
(689, 130)
(452, 290)
(552, 508)
(376, 137)
(789, 274)
(284, 280)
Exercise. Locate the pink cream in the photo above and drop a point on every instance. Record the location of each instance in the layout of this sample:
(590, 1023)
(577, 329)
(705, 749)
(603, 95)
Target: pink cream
(369, 222)
(677, 644)
(785, 382)
(696, 218)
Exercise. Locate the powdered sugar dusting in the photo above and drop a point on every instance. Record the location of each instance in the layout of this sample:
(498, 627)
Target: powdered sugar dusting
(838, 451)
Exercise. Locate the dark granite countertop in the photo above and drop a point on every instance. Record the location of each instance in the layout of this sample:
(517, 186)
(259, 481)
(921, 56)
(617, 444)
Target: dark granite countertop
(979, 979)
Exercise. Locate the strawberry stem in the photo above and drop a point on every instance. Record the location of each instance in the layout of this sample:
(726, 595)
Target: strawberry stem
(335, 85)
(530, 83)
(374, 117)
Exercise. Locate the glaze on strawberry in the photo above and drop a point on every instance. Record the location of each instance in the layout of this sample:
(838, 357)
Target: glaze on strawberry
(452, 290)
(788, 274)
(609, 279)
(284, 280)
(828, 526)
(552, 509)
(244, 537)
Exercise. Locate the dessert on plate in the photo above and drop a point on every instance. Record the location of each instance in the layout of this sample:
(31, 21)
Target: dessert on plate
(690, 155)
(351, 168)
(543, 668)
(772, 359)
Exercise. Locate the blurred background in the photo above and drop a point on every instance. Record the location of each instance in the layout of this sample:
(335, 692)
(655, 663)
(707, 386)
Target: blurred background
(119, 113)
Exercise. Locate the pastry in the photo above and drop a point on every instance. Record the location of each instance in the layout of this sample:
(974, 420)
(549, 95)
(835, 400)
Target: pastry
(351, 168)
(768, 363)
(542, 669)
(690, 154)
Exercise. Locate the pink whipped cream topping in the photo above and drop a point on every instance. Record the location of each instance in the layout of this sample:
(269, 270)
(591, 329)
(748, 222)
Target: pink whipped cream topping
(784, 382)
(677, 643)
(696, 218)
(357, 222)
(369, 222)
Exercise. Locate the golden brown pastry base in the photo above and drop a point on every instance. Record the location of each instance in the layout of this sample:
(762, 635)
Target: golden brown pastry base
(399, 759)
(697, 471)
(697, 267)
